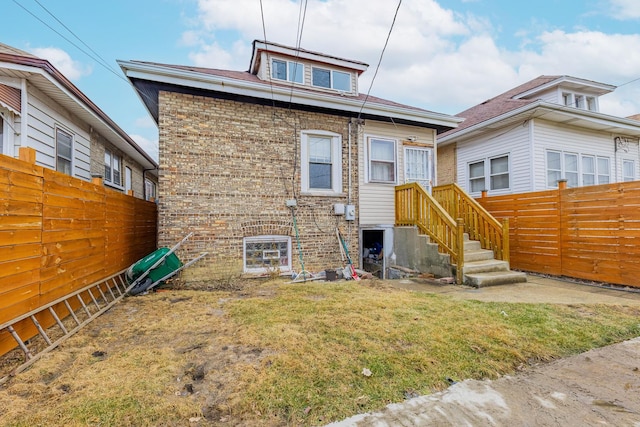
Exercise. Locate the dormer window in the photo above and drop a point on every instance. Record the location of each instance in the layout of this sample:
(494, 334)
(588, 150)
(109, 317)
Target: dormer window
(287, 70)
(331, 79)
(582, 102)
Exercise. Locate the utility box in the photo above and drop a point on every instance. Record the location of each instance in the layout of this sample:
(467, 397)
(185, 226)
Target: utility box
(338, 209)
(350, 213)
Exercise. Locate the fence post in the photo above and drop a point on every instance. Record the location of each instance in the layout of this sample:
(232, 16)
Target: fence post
(460, 241)
(562, 185)
(505, 240)
(27, 154)
(96, 179)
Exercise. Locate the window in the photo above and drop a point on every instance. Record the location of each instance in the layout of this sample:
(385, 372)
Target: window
(590, 170)
(628, 170)
(603, 170)
(497, 174)
(567, 99)
(571, 169)
(554, 168)
(321, 154)
(64, 149)
(382, 160)
(500, 173)
(579, 102)
(287, 70)
(476, 177)
(112, 171)
(417, 164)
(591, 103)
(266, 253)
(583, 102)
(331, 79)
(149, 189)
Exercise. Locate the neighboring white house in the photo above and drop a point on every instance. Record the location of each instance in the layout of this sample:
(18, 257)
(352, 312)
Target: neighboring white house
(40, 108)
(528, 138)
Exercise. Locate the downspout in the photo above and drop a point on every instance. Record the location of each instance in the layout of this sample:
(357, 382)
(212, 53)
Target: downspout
(349, 167)
(24, 100)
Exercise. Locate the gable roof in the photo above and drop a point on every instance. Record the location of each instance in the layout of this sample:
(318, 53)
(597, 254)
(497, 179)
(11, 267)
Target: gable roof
(17, 64)
(512, 106)
(150, 77)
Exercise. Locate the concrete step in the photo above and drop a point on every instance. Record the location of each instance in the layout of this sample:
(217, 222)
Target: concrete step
(480, 280)
(477, 255)
(471, 245)
(485, 266)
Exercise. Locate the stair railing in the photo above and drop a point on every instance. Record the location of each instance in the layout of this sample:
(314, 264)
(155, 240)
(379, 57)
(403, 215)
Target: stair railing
(478, 223)
(416, 207)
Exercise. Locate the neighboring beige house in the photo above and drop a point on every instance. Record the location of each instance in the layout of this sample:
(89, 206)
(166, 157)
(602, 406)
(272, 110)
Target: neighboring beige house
(529, 137)
(40, 108)
(262, 162)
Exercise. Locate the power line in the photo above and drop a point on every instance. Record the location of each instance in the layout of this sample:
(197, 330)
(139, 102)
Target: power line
(380, 60)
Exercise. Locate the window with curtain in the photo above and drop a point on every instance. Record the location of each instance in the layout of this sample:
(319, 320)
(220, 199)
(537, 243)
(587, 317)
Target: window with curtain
(319, 162)
(382, 160)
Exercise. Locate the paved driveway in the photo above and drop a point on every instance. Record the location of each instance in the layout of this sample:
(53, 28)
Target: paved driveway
(598, 388)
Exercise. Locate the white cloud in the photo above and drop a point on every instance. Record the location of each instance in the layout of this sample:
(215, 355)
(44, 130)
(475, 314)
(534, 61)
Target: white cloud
(625, 9)
(150, 146)
(436, 59)
(145, 122)
(73, 70)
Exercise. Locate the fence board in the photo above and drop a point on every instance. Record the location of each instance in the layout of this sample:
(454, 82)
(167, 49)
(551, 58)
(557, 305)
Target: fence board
(593, 232)
(58, 234)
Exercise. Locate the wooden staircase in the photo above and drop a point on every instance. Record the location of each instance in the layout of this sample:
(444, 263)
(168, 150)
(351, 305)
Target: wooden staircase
(481, 269)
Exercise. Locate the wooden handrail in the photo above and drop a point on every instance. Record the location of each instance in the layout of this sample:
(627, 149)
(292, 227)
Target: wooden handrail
(416, 207)
(478, 223)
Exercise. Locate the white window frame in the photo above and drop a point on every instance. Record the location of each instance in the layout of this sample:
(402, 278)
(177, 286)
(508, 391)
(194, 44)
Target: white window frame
(149, 189)
(59, 130)
(332, 79)
(600, 176)
(336, 163)
(580, 101)
(625, 177)
(128, 177)
(487, 174)
(110, 170)
(289, 77)
(369, 139)
(268, 253)
(426, 182)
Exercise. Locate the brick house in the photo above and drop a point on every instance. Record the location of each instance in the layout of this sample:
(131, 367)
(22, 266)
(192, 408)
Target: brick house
(264, 165)
(41, 109)
(528, 138)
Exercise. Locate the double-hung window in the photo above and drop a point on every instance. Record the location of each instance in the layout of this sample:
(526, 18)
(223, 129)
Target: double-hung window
(493, 171)
(382, 160)
(577, 169)
(64, 150)
(628, 170)
(331, 79)
(321, 154)
(287, 70)
(112, 168)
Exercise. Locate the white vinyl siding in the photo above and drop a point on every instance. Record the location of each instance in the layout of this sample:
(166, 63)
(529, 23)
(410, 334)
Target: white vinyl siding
(584, 143)
(376, 200)
(42, 123)
(492, 146)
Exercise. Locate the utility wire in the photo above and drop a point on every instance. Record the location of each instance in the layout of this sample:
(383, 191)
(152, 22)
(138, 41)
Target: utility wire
(380, 60)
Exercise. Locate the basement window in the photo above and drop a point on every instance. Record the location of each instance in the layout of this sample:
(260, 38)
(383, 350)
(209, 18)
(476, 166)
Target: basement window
(264, 254)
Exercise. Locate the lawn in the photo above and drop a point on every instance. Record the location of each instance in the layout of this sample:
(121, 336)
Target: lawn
(274, 353)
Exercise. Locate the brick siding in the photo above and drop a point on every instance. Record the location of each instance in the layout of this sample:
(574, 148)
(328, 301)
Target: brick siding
(447, 162)
(226, 171)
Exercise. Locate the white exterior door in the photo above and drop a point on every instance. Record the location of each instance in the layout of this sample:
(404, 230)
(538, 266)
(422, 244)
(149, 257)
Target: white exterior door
(418, 166)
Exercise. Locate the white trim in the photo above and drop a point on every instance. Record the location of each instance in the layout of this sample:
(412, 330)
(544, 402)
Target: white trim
(169, 75)
(336, 163)
(367, 165)
(487, 174)
(63, 129)
(430, 167)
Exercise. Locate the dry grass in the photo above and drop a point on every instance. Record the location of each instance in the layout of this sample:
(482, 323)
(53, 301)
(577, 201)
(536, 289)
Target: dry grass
(282, 354)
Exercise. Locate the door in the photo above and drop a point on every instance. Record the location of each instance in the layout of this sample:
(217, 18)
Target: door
(417, 166)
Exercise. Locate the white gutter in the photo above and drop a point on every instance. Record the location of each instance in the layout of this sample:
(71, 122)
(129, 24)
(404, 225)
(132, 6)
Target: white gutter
(192, 79)
(604, 119)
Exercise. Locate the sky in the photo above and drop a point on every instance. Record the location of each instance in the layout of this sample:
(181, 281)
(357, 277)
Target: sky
(442, 55)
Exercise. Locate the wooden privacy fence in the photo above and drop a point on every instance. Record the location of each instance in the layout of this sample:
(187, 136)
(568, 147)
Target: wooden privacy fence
(589, 232)
(59, 234)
